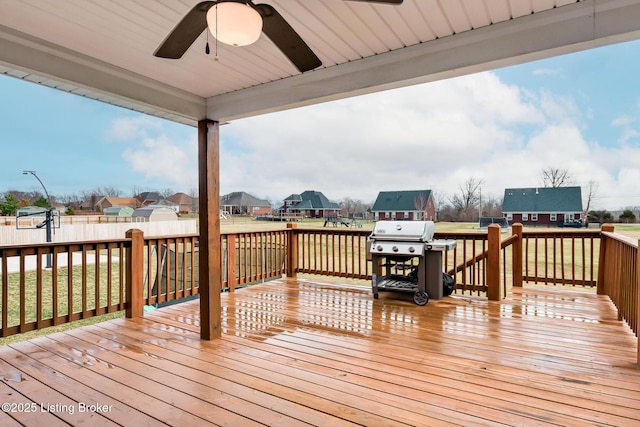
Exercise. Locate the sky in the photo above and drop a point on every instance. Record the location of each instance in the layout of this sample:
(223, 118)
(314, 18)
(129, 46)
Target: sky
(579, 112)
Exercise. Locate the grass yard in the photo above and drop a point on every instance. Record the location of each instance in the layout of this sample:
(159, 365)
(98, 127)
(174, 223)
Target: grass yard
(31, 279)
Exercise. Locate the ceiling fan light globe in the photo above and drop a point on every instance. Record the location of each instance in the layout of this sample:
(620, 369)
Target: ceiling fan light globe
(236, 24)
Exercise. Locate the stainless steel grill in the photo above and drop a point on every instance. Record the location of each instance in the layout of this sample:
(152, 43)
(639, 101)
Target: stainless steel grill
(394, 247)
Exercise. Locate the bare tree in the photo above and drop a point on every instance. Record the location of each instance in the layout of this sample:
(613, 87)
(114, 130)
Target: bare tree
(491, 206)
(352, 207)
(194, 193)
(555, 177)
(592, 193)
(167, 192)
(465, 202)
(420, 202)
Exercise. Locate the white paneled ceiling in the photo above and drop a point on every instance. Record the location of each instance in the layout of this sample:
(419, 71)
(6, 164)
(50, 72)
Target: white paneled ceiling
(104, 48)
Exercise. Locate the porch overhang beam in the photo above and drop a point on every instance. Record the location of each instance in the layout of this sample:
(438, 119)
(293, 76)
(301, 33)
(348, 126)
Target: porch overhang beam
(36, 60)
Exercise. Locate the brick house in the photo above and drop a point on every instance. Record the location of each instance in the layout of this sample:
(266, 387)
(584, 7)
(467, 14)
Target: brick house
(414, 205)
(543, 206)
(241, 203)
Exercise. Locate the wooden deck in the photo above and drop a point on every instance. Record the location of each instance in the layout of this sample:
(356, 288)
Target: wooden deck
(308, 352)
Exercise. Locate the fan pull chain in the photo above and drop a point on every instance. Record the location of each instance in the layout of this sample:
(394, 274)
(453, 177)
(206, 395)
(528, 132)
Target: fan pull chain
(216, 56)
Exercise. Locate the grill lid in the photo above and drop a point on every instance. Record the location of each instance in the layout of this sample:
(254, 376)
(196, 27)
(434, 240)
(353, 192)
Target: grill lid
(407, 231)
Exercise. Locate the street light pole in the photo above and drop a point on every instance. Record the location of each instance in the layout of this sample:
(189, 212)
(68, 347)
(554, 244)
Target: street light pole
(48, 215)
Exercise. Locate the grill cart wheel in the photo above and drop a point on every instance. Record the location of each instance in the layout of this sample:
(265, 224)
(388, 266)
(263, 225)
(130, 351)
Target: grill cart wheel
(420, 298)
(375, 296)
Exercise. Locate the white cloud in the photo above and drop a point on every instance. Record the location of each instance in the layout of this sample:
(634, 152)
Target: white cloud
(546, 71)
(163, 161)
(431, 136)
(132, 128)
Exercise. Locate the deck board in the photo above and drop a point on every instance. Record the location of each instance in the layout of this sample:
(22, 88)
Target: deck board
(313, 352)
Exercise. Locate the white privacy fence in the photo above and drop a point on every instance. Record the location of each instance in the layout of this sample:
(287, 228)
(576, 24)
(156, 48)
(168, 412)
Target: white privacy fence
(9, 235)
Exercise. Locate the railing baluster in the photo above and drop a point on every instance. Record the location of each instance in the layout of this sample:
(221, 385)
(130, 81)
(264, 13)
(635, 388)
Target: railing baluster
(4, 281)
(54, 286)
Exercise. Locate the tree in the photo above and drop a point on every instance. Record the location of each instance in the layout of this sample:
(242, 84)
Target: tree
(420, 202)
(491, 206)
(107, 191)
(352, 207)
(167, 192)
(466, 201)
(10, 205)
(592, 190)
(599, 216)
(41, 202)
(439, 201)
(554, 177)
(627, 216)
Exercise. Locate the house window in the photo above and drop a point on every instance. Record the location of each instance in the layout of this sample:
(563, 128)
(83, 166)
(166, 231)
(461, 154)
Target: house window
(525, 217)
(406, 215)
(392, 215)
(553, 217)
(534, 217)
(510, 217)
(569, 216)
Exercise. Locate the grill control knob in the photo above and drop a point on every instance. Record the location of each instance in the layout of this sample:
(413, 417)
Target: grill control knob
(379, 248)
(394, 249)
(411, 249)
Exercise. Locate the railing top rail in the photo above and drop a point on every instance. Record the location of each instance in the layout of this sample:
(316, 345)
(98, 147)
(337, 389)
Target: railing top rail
(61, 244)
(331, 231)
(621, 238)
(508, 241)
(462, 234)
(561, 232)
(174, 236)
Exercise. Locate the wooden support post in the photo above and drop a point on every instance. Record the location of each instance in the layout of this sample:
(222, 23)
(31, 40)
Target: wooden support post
(638, 302)
(600, 290)
(232, 281)
(494, 286)
(134, 274)
(210, 252)
(516, 255)
(292, 250)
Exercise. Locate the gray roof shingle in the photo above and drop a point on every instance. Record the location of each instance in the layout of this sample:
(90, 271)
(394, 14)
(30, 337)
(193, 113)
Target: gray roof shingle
(394, 201)
(545, 199)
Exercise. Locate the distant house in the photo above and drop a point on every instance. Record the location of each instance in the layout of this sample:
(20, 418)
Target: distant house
(310, 204)
(109, 202)
(186, 203)
(542, 206)
(241, 203)
(147, 198)
(414, 205)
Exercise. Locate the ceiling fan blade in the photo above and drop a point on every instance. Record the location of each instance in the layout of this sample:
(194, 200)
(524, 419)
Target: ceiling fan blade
(185, 33)
(381, 1)
(286, 39)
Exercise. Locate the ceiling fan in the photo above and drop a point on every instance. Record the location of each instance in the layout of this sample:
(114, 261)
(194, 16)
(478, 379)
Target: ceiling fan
(270, 22)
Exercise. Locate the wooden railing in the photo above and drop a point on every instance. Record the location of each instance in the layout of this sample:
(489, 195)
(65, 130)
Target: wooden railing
(332, 252)
(561, 257)
(85, 280)
(619, 276)
(92, 278)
